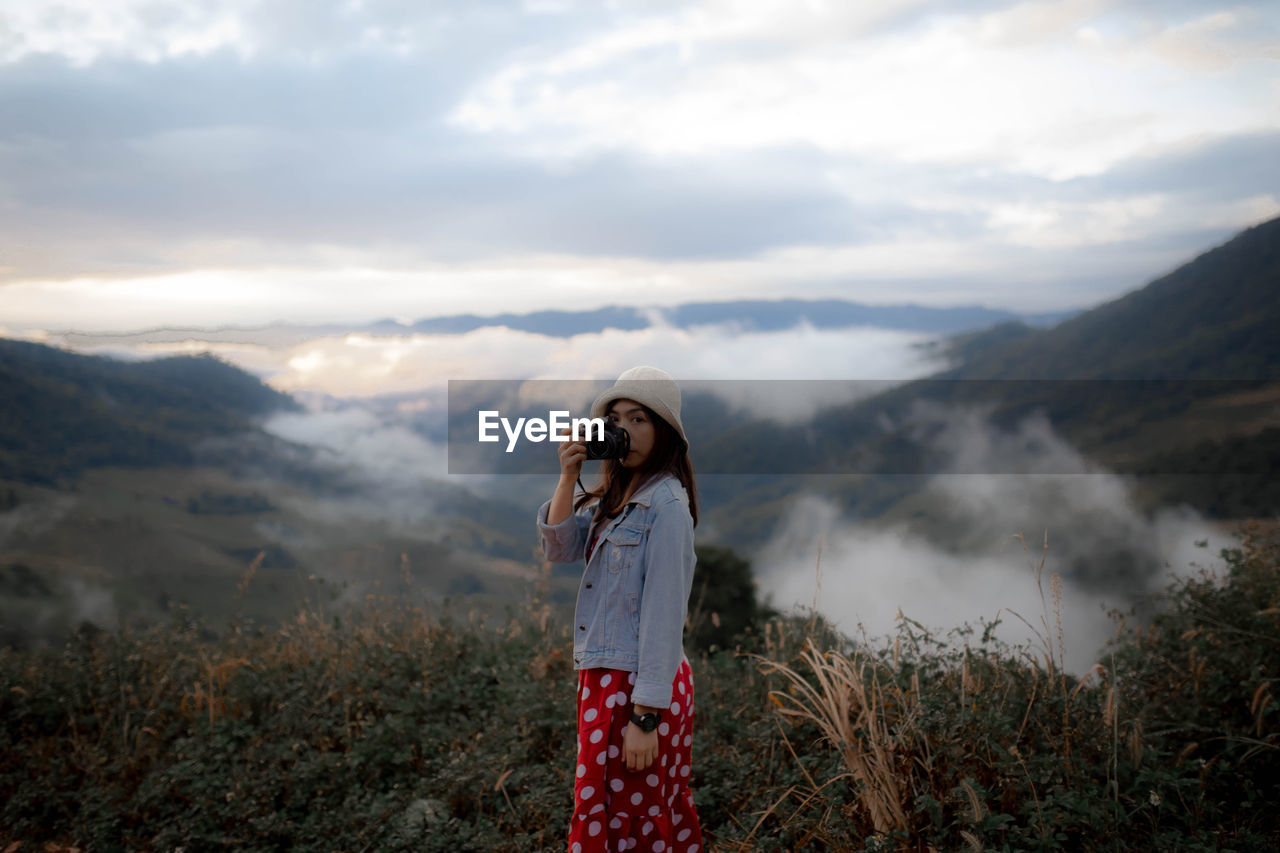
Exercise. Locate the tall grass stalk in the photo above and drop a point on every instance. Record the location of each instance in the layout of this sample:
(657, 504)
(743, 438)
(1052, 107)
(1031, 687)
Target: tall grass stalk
(850, 707)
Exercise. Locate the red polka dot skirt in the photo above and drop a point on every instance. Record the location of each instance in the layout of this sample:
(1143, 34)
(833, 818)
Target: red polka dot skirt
(616, 809)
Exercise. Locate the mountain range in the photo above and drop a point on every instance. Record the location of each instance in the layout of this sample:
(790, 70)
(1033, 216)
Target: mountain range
(158, 475)
(745, 315)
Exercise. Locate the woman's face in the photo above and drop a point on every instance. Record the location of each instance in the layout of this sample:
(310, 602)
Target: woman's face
(628, 415)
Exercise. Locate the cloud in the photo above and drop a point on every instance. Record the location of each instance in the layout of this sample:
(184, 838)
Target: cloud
(318, 161)
(387, 454)
(364, 366)
(88, 32)
(652, 88)
(179, 173)
(964, 565)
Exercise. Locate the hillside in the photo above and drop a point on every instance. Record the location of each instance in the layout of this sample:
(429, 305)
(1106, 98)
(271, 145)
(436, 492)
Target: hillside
(1190, 358)
(1213, 318)
(1178, 382)
(390, 728)
(66, 412)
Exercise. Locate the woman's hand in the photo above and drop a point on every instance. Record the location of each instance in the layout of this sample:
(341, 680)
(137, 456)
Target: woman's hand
(640, 749)
(572, 454)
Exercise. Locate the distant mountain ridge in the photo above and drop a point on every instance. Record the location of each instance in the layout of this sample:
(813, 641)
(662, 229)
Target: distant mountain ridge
(747, 315)
(63, 412)
(765, 315)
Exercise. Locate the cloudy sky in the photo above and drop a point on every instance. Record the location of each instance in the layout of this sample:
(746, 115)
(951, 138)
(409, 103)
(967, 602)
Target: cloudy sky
(243, 161)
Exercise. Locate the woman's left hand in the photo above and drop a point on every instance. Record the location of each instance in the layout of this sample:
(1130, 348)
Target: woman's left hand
(639, 748)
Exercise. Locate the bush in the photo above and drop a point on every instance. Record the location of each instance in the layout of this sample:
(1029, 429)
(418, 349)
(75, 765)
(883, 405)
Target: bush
(724, 609)
(387, 727)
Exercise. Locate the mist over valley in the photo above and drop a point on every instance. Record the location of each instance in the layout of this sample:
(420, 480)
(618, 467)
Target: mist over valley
(871, 472)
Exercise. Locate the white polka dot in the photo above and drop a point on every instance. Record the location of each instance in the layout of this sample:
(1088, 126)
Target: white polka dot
(615, 784)
(631, 678)
(604, 682)
(683, 834)
(594, 828)
(664, 761)
(586, 691)
(632, 842)
(598, 807)
(653, 811)
(600, 758)
(582, 770)
(684, 771)
(588, 792)
(672, 771)
(616, 823)
(663, 729)
(610, 700)
(636, 798)
(681, 686)
(652, 779)
(675, 708)
(693, 848)
(675, 821)
(576, 848)
(613, 750)
(622, 697)
(659, 846)
(590, 714)
(647, 828)
(675, 741)
(688, 739)
(596, 736)
(622, 842)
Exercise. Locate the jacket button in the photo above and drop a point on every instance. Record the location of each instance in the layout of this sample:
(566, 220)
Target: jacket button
(582, 627)
(588, 586)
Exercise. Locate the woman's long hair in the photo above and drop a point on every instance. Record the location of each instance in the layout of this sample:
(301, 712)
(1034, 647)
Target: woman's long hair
(668, 454)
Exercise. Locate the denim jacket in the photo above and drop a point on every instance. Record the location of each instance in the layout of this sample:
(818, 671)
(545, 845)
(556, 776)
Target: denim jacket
(634, 594)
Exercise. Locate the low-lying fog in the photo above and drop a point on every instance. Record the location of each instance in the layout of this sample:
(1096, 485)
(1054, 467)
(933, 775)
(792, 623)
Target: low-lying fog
(370, 400)
(1040, 501)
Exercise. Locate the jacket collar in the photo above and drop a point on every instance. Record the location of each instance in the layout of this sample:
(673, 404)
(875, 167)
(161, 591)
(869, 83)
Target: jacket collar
(642, 497)
(645, 494)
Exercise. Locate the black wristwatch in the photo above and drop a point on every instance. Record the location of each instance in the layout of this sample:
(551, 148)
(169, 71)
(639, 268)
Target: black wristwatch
(647, 722)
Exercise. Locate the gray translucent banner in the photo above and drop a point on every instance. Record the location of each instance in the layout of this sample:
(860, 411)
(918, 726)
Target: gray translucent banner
(922, 427)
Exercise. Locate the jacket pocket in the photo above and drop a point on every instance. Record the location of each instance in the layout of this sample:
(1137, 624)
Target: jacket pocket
(626, 539)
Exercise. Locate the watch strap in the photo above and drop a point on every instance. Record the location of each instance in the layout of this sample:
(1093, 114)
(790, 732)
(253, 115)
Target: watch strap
(646, 722)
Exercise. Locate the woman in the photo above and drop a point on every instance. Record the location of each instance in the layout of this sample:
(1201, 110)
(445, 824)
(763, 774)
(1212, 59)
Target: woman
(635, 688)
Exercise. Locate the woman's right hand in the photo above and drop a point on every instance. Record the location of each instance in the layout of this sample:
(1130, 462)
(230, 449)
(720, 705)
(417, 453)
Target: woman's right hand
(572, 454)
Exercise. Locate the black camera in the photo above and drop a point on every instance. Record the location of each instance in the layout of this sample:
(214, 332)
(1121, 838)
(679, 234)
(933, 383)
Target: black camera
(616, 443)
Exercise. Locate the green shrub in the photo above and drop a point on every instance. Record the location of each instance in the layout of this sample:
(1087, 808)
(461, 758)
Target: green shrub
(386, 727)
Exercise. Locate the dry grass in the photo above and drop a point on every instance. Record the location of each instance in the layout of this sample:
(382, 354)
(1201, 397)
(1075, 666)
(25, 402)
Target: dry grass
(868, 721)
(867, 705)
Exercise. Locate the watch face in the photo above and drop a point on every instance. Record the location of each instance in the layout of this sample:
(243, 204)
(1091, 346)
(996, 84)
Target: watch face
(647, 722)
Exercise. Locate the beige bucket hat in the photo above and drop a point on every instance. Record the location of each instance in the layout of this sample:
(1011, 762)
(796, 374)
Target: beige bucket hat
(651, 386)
